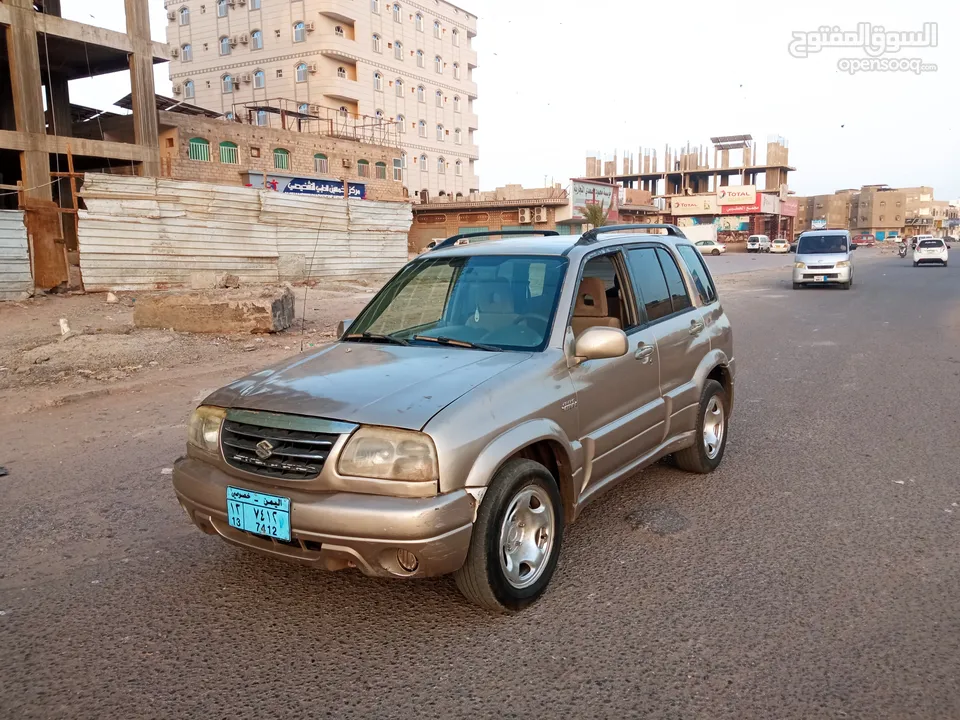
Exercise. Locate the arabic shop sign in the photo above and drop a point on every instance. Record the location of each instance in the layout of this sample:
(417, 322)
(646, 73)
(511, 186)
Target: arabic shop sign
(324, 188)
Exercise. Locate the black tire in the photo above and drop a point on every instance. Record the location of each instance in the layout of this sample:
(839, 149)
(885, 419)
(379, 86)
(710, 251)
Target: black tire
(848, 285)
(715, 252)
(481, 579)
(695, 458)
(797, 286)
(916, 264)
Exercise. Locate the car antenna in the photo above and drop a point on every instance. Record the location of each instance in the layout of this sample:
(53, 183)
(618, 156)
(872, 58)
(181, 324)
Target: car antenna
(306, 273)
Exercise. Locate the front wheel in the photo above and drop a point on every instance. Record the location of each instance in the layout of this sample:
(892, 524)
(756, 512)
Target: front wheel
(796, 286)
(715, 252)
(710, 439)
(516, 539)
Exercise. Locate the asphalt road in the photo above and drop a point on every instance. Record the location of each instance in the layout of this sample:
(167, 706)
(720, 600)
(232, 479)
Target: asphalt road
(815, 575)
(738, 262)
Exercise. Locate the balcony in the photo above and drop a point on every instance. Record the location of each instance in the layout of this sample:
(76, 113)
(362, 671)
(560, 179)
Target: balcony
(338, 88)
(340, 48)
(470, 121)
(340, 10)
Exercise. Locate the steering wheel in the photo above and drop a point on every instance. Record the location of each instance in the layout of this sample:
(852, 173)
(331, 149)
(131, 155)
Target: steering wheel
(525, 320)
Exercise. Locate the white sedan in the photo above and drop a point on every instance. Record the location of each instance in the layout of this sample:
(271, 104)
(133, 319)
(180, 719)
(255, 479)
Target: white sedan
(930, 250)
(779, 246)
(710, 247)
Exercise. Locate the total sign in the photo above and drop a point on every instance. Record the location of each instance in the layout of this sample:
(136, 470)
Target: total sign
(737, 195)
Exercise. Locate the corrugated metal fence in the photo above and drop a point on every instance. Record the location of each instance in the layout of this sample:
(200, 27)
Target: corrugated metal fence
(147, 233)
(15, 277)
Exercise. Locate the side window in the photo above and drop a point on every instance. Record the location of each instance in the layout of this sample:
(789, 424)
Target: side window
(651, 285)
(678, 289)
(701, 278)
(601, 295)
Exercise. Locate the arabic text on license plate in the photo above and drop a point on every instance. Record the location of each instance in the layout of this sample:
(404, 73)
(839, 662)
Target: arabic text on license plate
(259, 513)
(820, 278)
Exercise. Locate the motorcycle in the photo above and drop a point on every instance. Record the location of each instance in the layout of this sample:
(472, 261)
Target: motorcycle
(902, 251)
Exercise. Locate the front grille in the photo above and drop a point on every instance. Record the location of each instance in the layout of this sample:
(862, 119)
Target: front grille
(829, 276)
(296, 454)
(819, 267)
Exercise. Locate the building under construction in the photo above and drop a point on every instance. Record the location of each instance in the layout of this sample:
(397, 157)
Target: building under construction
(41, 156)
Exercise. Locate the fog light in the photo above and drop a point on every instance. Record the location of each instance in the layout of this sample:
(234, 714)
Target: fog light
(408, 561)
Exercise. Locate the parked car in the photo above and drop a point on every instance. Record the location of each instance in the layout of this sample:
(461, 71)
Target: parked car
(471, 412)
(711, 247)
(824, 257)
(780, 245)
(931, 250)
(758, 243)
(867, 239)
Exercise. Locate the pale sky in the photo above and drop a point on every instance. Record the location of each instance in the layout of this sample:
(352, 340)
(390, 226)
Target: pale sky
(558, 80)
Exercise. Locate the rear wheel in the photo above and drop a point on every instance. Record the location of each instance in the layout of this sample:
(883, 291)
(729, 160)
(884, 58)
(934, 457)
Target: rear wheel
(715, 252)
(916, 264)
(711, 433)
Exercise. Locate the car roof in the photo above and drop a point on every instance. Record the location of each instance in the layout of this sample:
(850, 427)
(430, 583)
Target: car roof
(825, 232)
(555, 245)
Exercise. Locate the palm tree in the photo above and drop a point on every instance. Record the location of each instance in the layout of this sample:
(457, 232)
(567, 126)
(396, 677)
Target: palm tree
(595, 215)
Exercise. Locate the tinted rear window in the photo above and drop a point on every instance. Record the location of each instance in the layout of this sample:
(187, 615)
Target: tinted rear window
(931, 243)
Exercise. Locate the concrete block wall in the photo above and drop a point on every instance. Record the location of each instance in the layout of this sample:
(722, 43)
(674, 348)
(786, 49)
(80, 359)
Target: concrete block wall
(433, 224)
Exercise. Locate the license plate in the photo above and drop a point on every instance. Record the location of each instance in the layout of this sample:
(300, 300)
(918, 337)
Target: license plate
(819, 278)
(258, 513)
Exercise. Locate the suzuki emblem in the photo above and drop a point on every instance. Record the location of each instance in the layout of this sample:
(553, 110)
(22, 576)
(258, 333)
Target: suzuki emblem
(264, 449)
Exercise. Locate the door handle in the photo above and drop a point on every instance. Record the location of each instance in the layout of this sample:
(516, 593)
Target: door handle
(644, 353)
(696, 327)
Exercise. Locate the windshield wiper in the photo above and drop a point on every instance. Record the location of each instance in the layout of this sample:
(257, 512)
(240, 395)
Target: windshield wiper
(458, 343)
(374, 337)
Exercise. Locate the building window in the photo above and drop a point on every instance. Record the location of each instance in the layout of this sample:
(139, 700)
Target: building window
(379, 116)
(375, 6)
(302, 72)
(221, 8)
(378, 82)
(881, 218)
(342, 73)
(439, 97)
(456, 71)
(254, 4)
(423, 163)
(439, 133)
(456, 103)
(438, 64)
(419, 58)
(458, 168)
(422, 127)
(441, 166)
(380, 171)
(421, 94)
(259, 80)
(199, 149)
(299, 32)
(398, 169)
(229, 154)
(437, 32)
(184, 16)
(281, 159)
(338, 31)
(186, 53)
(401, 124)
(418, 22)
(397, 13)
(224, 45)
(226, 84)
(398, 83)
(343, 111)
(377, 44)
(256, 40)
(398, 50)
(320, 163)
(458, 136)
(456, 37)
(304, 109)
(262, 118)
(189, 90)
(363, 168)
(229, 116)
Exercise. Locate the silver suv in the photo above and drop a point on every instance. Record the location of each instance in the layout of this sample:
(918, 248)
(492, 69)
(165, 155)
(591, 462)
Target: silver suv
(486, 395)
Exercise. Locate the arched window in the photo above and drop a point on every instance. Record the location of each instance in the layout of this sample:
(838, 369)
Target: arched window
(456, 103)
(458, 168)
(256, 40)
(184, 16)
(458, 137)
(229, 116)
(226, 84)
(420, 58)
(301, 72)
(379, 115)
(381, 171)
(186, 53)
(437, 32)
(320, 163)
(199, 149)
(397, 13)
(281, 159)
(299, 32)
(423, 163)
(401, 124)
(342, 73)
(343, 111)
(441, 166)
(456, 37)
(438, 64)
(398, 83)
(303, 109)
(456, 71)
(363, 168)
(377, 43)
(439, 96)
(375, 6)
(338, 31)
(439, 133)
(229, 154)
(224, 45)
(418, 21)
(377, 82)
(398, 49)
(221, 8)
(189, 90)
(259, 79)
(421, 94)
(422, 127)
(262, 117)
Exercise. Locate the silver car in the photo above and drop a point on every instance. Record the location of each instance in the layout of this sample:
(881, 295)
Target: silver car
(824, 257)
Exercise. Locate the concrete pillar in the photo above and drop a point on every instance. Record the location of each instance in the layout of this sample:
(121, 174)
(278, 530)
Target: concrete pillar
(142, 90)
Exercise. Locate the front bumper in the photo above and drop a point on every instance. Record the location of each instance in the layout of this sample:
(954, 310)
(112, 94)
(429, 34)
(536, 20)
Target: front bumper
(830, 275)
(337, 530)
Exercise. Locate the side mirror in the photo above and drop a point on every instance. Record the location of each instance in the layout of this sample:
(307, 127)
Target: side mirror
(599, 343)
(793, 247)
(343, 326)
(853, 247)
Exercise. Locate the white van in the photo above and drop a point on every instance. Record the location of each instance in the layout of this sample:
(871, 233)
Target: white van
(758, 243)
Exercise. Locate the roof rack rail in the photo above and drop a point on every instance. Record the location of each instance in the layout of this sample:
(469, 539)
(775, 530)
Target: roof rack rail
(450, 241)
(592, 236)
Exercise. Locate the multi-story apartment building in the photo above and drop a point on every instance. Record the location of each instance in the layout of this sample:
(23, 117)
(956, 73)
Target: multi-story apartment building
(877, 210)
(405, 66)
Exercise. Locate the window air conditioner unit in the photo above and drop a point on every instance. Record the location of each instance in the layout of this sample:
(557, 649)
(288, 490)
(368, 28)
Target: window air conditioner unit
(174, 52)
(177, 89)
(236, 83)
(526, 216)
(171, 15)
(540, 216)
(232, 3)
(312, 67)
(246, 77)
(347, 162)
(244, 38)
(315, 109)
(309, 26)
(233, 41)
(241, 3)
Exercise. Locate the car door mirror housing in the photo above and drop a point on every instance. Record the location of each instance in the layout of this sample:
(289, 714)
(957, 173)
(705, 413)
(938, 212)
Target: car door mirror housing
(343, 326)
(599, 343)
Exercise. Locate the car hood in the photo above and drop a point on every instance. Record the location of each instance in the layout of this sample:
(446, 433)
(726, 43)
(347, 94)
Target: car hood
(367, 383)
(822, 258)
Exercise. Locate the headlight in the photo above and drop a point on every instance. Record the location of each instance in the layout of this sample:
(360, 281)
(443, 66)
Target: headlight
(204, 430)
(843, 263)
(799, 266)
(387, 454)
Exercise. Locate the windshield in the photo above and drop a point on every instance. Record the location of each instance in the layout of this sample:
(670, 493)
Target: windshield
(506, 302)
(931, 243)
(822, 244)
